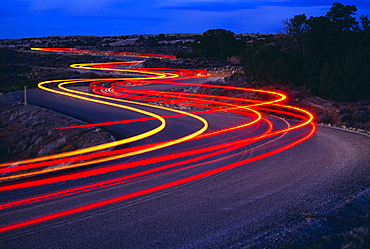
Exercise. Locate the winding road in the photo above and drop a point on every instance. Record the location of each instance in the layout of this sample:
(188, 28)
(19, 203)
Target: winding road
(213, 173)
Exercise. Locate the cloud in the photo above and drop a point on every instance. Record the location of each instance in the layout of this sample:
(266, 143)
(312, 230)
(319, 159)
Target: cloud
(208, 5)
(69, 7)
(225, 6)
(235, 5)
(90, 8)
(27, 18)
(212, 6)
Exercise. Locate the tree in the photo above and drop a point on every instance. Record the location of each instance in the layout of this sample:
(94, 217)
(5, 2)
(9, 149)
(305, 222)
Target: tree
(365, 23)
(342, 17)
(217, 43)
(347, 80)
(269, 65)
(161, 37)
(330, 55)
(332, 36)
(296, 26)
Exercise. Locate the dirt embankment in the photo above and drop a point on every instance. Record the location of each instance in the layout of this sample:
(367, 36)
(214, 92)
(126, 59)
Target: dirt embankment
(30, 131)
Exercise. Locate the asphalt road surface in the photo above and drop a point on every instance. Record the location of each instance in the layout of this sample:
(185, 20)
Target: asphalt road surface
(219, 211)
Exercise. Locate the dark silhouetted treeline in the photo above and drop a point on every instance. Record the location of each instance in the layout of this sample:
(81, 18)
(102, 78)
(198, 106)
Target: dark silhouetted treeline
(217, 43)
(329, 55)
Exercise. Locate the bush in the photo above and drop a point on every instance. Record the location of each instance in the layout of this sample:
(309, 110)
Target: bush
(362, 108)
(335, 104)
(345, 110)
(346, 117)
(364, 102)
(68, 147)
(325, 118)
(356, 238)
(236, 79)
(361, 116)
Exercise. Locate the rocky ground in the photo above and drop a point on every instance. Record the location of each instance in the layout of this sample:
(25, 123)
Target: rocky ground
(30, 131)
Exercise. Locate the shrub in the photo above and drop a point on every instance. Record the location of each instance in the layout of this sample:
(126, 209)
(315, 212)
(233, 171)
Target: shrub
(361, 116)
(68, 147)
(364, 102)
(345, 110)
(362, 108)
(325, 118)
(239, 77)
(356, 238)
(346, 117)
(335, 104)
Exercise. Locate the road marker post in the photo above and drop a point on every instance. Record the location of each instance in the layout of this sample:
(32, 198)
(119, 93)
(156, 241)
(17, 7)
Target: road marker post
(25, 96)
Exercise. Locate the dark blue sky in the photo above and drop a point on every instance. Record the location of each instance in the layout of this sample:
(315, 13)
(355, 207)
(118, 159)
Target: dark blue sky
(36, 18)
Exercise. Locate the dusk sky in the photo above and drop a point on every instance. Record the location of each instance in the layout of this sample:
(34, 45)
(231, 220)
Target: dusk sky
(37, 18)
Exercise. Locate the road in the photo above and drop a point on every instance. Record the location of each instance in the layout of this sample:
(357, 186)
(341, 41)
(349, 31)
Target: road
(215, 190)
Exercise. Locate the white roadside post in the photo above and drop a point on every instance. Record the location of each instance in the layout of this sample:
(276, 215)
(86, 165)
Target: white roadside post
(25, 96)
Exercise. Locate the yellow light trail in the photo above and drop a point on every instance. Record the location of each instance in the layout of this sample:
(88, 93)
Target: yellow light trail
(91, 97)
(271, 140)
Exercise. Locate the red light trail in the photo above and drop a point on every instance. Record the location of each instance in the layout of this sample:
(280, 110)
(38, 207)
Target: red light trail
(212, 151)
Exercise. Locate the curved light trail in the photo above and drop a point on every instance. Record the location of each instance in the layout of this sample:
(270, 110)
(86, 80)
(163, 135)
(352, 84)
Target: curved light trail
(194, 154)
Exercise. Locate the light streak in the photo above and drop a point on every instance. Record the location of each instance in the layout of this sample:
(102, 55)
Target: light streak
(257, 133)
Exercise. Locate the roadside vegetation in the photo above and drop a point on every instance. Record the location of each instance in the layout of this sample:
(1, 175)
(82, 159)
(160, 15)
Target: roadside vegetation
(328, 55)
(322, 62)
